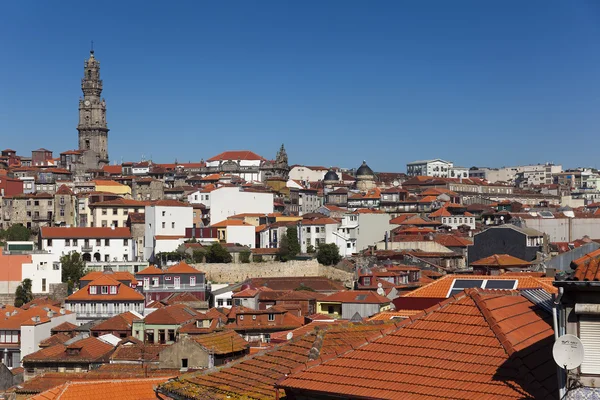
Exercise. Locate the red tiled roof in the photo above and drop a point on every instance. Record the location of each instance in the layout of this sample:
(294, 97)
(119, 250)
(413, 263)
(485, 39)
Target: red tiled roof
(90, 349)
(480, 344)
(501, 260)
(130, 350)
(124, 292)
(236, 155)
(64, 190)
(130, 389)
(117, 275)
(64, 327)
(317, 283)
(151, 270)
(176, 314)
(440, 287)
(120, 202)
(32, 316)
(121, 322)
(182, 268)
(169, 203)
(450, 240)
(84, 233)
(224, 342)
(586, 267)
(356, 296)
(254, 377)
(230, 222)
(57, 338)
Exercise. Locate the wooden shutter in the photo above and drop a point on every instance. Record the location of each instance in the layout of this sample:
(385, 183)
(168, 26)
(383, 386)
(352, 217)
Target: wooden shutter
(589, 333)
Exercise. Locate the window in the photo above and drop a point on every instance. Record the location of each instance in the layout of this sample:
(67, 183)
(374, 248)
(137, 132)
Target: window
(171, 335)
(164, 225)
(146, 283)
(229, 302)
(113, 289)
(184, 363)
(589, 326)
(62, 212)
(28, 202)
(104, 290)
(36, 203)
(98, 242)
(74, 242)
(316, 229)
(163, 213)
(271, 317)
(62, 201)
(367, 280)
(92, 289)
(104, 211)
(49, 242)
(192, 281)
(106, 258)
(219, 302)
(125, 242)
(104, 224)
(67, 242)
(155, 282)
(43, 284)
(115, 211)
(173, 225)
(107, 242)
(125, 257)
(115, 223)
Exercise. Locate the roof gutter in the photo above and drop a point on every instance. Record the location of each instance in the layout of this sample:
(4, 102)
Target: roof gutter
(560, 373)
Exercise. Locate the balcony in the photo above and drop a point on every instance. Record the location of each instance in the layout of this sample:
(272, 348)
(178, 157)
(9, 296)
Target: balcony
(171, 288)
(87, 248)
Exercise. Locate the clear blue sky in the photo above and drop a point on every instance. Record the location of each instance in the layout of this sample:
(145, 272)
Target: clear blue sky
(478, 82)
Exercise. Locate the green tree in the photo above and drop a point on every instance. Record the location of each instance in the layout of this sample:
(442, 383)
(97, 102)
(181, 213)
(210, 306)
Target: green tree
(310, 249)
(328, 254)
(17, 232)
(23, 293)
(257, 258)
(294, 245)
(217, 254)
(283, 254)
(198, 256)
(245, 256)
(73, 268)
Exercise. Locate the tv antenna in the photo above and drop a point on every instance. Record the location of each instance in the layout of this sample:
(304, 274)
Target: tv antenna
(568, 352)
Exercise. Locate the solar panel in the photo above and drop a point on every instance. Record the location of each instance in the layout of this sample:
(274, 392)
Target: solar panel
(467, 283)
(454, 291)
(500, 284)
(361, 297)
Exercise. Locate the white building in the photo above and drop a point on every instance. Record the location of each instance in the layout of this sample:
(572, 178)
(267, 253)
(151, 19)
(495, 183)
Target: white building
(97, 244)
(437, 167)
(228, 201)
(371, 228)
(165, 225)
(246, 164)
(307, 173)
(528, 174)
(317, 231)
(236, 231)
(201, 196)
(21, 261)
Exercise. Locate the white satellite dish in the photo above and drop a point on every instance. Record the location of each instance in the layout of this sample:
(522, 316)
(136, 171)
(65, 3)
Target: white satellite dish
(568, 352)
(289, 336)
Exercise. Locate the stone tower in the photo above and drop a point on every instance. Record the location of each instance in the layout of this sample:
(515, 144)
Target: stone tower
(93, 132)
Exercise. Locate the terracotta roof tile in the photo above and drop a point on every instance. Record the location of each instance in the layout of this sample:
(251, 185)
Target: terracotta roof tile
(121, 322)
(176, 314)
(223, 342)
(124, 292)
(129, 351)
(501, 260)
(151, 270)
(90, 349)
(440, 287)
(117, 275)
(126, 389)
(587, 267)
(182, 268)
(57, 338)
(236, 155)
(230, 222)
(481, 344)
(64, 327)
(253, 377)
(356, 296)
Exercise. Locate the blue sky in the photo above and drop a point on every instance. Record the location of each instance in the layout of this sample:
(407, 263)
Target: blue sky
(479, 83)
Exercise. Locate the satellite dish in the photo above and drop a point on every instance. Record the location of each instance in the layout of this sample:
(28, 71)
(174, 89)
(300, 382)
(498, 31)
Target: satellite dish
(568, 352)
(289, 336)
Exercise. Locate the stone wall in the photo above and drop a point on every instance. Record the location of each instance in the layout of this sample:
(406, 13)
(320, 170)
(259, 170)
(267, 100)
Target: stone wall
(230, 273)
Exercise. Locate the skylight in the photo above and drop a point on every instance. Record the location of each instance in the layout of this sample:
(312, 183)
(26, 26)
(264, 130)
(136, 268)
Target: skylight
(458, 285)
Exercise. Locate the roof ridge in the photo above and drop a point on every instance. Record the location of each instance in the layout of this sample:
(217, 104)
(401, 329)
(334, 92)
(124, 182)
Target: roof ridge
(479, 301)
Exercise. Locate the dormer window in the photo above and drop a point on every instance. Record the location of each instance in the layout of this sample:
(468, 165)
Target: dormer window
(113, 290)
(92, 289)
(104, 290)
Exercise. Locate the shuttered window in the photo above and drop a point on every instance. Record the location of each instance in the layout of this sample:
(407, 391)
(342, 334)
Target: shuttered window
(589, 333)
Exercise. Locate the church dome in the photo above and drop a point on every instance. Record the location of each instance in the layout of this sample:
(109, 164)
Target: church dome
(331, 176)
(364, 170)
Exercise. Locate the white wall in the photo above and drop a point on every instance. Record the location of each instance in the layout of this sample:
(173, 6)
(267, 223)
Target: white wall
(32, 335)
(165, 221)
(371, 229)
(115, 250)
(243, 234)
(228, 201)
(303, 173)
(42, 266)
(199, 197)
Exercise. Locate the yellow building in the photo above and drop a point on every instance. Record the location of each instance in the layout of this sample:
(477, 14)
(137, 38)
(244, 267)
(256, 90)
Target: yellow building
(112, 187)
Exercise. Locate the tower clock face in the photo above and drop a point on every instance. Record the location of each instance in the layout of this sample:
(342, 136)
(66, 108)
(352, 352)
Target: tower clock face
(87, 102)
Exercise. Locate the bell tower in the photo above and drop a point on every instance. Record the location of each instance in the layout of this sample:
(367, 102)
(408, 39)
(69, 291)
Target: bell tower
(93, 132)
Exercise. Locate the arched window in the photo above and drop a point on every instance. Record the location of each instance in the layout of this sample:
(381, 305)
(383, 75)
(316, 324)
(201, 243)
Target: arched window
(89, 74)
(87, 144)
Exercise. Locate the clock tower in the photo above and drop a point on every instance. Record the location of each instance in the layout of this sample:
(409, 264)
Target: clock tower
(93, 132)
